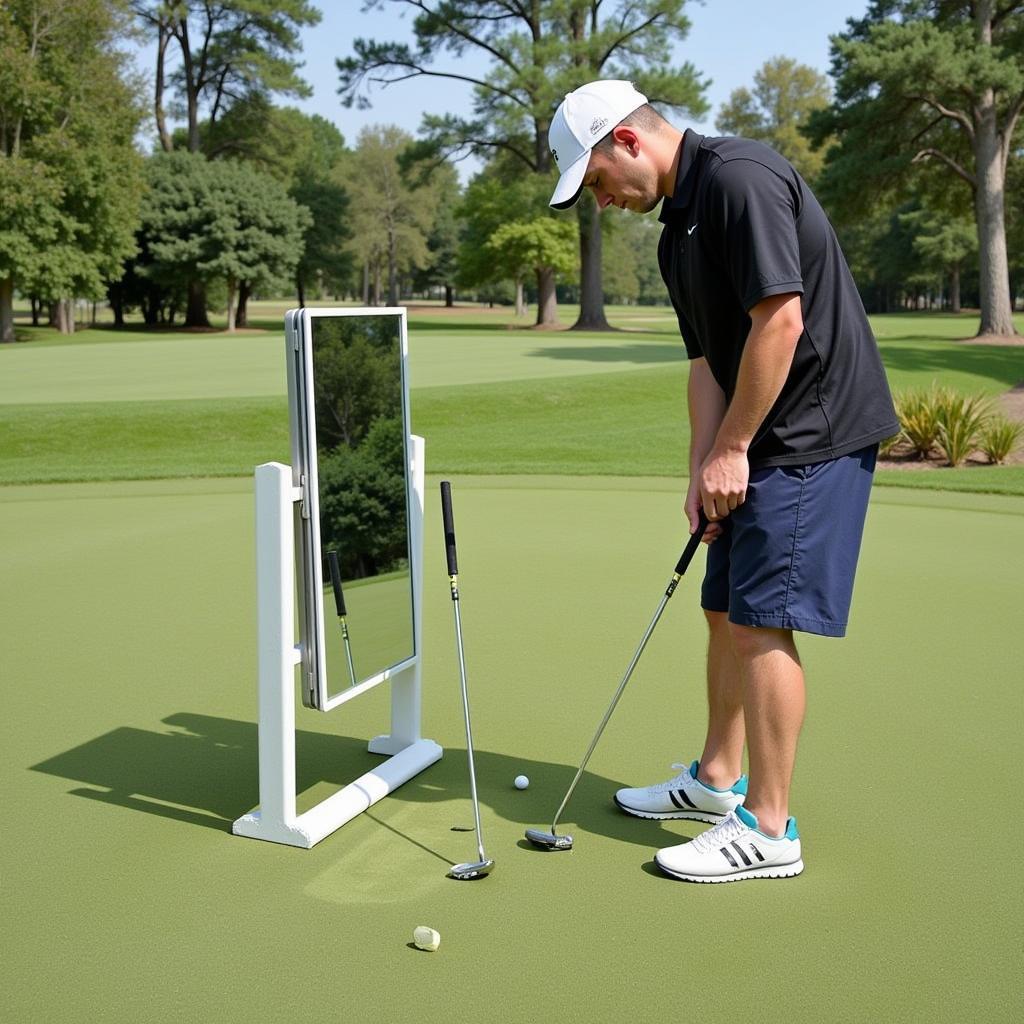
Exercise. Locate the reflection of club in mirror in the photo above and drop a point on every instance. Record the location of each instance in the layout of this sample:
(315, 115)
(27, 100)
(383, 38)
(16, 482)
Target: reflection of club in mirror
(483, 866)
(339, 604)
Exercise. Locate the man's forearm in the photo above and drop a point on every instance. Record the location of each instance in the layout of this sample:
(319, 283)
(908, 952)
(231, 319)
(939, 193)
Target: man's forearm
(706, 405)
(767, 357)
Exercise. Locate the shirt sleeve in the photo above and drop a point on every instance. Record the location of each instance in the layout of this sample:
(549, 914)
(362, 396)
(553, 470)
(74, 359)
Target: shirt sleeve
(753, 212)
(689, 335)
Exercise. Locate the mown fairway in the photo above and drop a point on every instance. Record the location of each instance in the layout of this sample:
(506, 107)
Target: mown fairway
(491, 396)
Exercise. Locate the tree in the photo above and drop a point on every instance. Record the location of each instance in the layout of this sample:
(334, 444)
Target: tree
(219, 220)
(443, 238)
(784, 96)
(521, 247)
(233, 52)
(391, 217)
(942, 244)
(69, 174)
(538, 52)
(921, 81)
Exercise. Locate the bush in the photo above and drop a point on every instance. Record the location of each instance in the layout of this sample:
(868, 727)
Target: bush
(999, 437)
(961, 419)
(919, 413)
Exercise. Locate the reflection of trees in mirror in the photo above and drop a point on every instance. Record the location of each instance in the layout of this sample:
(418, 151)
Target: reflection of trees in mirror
(362, 502)
(356, 374)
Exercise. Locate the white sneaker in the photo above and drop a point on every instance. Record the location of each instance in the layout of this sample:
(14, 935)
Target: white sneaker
(734, 849)
(683, 797)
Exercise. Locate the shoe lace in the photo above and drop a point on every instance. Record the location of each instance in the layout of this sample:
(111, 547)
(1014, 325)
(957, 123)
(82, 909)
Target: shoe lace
(673, 783)
(728, 829)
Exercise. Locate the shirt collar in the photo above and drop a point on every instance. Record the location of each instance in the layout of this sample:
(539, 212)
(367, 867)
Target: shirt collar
(686, 177)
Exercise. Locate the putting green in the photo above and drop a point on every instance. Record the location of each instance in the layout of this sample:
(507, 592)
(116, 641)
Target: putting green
(128, 745)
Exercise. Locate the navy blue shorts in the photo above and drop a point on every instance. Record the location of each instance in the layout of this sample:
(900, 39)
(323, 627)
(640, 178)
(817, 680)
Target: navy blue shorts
(787, 556)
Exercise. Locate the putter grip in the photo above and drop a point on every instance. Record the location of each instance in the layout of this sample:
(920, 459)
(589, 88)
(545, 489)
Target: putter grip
(339, 598)
(449, 528)
(692, 544)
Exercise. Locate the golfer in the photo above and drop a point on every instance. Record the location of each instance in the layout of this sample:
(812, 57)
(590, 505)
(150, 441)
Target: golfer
(787, 403)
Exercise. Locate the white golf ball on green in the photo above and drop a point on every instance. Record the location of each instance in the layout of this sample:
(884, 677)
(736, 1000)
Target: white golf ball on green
(522, 782)
(426, 938)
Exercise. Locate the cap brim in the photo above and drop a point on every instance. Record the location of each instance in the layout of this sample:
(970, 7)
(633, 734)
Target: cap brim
(570, 184)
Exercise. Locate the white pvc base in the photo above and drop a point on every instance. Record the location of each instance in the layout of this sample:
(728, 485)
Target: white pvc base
(408, 753)
(308, 829)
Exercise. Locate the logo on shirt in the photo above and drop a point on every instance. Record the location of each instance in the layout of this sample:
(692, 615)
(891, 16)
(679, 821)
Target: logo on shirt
(690, 231)
(597, 124)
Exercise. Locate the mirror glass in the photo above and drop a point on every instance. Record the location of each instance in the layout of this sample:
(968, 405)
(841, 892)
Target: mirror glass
(362, 489)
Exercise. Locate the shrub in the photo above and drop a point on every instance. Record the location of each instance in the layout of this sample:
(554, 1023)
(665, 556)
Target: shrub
(999, 437)
(886, 447)
(960, 422)
(918, 412)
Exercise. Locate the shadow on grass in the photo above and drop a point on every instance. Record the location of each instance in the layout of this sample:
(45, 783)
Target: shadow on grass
(203, 771)
(1002, 363)
(657, 352)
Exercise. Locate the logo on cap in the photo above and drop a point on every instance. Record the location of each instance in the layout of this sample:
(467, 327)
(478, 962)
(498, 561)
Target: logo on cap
(554, 154)
(597, 124)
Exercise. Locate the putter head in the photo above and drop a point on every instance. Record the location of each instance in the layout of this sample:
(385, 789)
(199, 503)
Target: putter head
(473, 869)
(548, 840)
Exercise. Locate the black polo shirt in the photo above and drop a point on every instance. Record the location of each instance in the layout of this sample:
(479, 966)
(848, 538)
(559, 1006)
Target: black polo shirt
(741, 226)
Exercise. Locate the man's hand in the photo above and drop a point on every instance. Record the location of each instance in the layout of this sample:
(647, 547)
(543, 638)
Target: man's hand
(723, 482)
(691, 509)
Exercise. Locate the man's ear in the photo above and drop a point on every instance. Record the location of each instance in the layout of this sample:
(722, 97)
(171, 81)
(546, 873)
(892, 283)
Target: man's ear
(627, 137)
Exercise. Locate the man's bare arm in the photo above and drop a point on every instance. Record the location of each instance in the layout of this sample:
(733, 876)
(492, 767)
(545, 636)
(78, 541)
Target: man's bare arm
(776, 324)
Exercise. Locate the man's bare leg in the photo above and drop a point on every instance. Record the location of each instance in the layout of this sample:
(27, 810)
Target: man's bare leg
(773, 710)
(721, 763)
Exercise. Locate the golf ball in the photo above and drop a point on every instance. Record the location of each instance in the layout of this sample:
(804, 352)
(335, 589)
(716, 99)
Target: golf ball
(522, 782)
(426, 938)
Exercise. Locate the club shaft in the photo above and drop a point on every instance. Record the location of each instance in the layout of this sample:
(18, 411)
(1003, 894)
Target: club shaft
(348, 651)
(469, 727)
(611, 707)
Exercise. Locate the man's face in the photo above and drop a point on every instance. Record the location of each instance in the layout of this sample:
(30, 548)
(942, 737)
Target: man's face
(623, 176)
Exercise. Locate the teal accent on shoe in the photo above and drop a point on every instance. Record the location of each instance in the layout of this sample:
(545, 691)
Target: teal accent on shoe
(739, 786)
(791, 832)
(746, 817)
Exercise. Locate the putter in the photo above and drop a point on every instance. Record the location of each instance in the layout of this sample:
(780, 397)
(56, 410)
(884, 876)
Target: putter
(552, 840)
(339, 604)
(484, 865)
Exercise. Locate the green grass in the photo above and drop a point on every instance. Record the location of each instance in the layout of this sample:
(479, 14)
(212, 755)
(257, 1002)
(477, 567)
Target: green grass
(128, 745)
(489, 395)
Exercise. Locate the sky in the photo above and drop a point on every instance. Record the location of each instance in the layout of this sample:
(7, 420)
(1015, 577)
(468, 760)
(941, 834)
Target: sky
(728, 41)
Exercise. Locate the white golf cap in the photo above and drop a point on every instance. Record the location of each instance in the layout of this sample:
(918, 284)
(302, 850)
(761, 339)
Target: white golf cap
(584, 117)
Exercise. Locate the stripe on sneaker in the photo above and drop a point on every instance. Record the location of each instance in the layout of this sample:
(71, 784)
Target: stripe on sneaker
(689, 802)
(756, 851)
(672, 796)
(739, 850)
(729, 857)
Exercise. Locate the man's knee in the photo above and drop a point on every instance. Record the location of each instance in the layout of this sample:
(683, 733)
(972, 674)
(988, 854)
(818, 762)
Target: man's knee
(752, 641)
(718, 622)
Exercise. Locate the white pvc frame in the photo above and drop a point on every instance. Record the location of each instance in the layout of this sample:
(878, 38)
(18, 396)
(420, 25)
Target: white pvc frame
(278, 504)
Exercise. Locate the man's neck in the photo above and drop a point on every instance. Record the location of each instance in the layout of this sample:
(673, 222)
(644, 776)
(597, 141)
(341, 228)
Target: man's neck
(673, 153)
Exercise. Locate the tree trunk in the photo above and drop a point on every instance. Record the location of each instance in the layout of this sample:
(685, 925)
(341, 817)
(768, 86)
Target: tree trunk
(520, 302)
(65, 316)
(591, 316)
(195, 313)
(300, 290)
(6, 310)
(392, 268)
(36, 304)
(52, 314)
(449, 296)
(376, 282)
(994, 276)
(366, 282)
(232, 292)
(547, 301)
(242, 315)
(954, 288)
